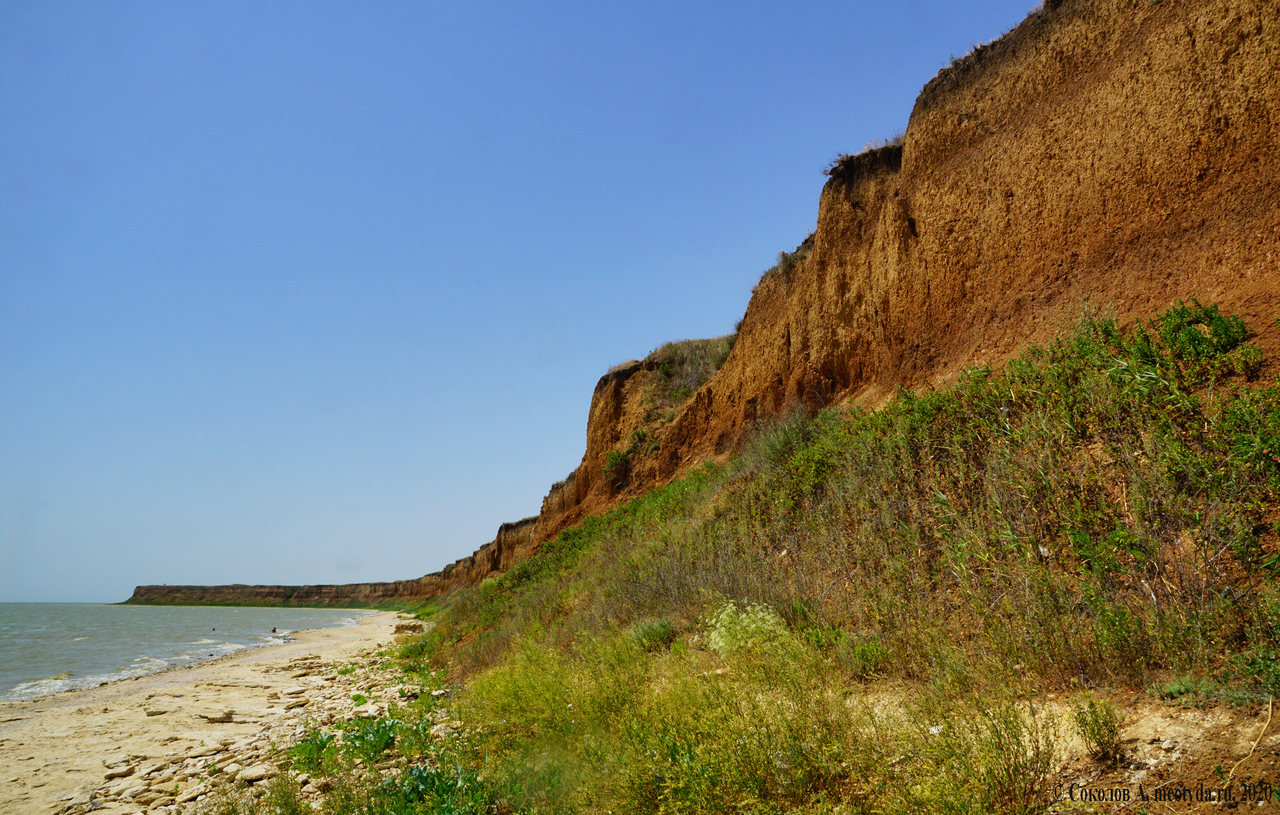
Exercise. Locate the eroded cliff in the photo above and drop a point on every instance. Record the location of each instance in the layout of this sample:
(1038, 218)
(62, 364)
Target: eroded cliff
(1105, 154)
(1116, 155)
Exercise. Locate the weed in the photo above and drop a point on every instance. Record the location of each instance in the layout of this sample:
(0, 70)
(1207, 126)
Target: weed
(998, 758)
(655, 635)
(370, 738)
(1180, 687)
(1098, 723)
(310, 752)
(279, 796)
(865, 659)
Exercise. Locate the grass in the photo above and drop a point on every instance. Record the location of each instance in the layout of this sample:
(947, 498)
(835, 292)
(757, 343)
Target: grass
(862, 611)
(788, 261)
(844, 163)
(686, 365)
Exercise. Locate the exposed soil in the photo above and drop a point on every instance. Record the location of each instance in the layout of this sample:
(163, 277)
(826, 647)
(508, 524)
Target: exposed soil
(1183, 759)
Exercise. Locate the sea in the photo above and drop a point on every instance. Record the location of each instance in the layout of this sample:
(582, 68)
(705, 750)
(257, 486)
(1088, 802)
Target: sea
(50, 647)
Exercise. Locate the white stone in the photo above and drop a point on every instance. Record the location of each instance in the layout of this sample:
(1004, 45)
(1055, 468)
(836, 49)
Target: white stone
(257, 772)
(192, 794)
(120, 772)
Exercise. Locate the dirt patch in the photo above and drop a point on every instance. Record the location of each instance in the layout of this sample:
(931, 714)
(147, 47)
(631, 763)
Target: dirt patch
(1179, 759)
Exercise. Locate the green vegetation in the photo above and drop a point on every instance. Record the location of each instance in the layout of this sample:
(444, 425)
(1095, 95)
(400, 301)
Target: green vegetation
(1100, 512)
(1098, 723)
(407, 606)
(686, 365)
(788, 261)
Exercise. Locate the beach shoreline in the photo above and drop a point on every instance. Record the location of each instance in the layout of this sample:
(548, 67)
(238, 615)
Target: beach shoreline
(129, 746)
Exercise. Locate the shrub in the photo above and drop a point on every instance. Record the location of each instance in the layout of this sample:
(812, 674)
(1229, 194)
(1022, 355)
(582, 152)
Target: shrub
(1098, 723)
(617, 463)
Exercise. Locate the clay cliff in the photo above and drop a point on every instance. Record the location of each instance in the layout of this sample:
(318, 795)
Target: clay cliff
(1114, 155)
(1105, 154)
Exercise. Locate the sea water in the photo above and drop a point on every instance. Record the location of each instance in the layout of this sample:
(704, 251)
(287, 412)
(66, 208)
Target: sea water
(50, 647)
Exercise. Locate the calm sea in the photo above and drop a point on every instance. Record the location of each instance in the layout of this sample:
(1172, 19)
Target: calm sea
(51, 647)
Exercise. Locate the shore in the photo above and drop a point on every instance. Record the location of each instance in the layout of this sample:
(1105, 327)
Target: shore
(152, 744)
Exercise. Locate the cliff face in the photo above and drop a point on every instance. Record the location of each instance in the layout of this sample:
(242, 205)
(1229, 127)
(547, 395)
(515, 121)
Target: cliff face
(1111, 154)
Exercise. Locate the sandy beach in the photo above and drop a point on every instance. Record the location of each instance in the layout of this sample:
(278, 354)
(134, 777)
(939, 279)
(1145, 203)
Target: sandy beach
(154, 743)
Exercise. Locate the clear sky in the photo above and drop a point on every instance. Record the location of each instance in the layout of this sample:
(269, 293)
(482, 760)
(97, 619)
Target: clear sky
(318, 292)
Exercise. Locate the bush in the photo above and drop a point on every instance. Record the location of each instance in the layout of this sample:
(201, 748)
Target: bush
(617, 463)
(1098, 723)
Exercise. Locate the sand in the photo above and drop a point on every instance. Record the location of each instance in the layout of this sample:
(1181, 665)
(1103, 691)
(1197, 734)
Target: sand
(129, 746)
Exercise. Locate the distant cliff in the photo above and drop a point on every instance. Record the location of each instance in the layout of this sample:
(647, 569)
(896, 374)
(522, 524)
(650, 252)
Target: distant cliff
(513, 542)
(1110, 154)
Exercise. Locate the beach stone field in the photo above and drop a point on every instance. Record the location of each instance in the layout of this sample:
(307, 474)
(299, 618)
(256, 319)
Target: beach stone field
(165, 742)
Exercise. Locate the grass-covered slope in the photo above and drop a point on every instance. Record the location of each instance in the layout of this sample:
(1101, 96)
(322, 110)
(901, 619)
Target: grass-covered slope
(863, 610)
(1101, 508)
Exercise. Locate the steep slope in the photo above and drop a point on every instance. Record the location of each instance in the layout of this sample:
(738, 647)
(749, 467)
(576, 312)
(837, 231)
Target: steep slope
(1112, 154)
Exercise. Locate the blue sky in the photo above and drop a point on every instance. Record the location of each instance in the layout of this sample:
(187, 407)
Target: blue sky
(318, 292)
